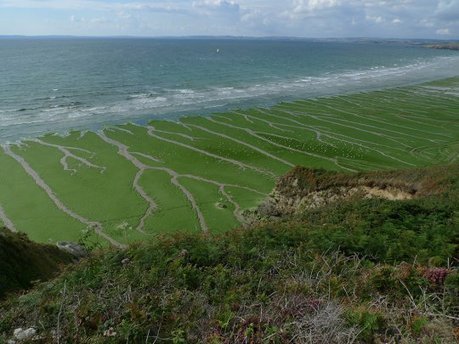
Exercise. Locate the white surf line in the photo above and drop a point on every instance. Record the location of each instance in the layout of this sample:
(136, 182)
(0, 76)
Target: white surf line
(253, 133)
(97, 226)
(6, 220)
(259, 150)
(240, 164)
(123, 150)
(68, 154)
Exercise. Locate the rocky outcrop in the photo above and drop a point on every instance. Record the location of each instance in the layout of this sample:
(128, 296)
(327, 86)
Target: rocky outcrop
(21, 335)
(304, 189)
(279, 204)
(450, 46)
(74, 249)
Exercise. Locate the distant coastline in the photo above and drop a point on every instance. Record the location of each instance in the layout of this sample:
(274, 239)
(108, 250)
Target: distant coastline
(448, 46)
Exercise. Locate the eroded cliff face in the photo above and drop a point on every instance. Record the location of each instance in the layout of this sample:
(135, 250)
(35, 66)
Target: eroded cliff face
(279, 204)
(304, 189)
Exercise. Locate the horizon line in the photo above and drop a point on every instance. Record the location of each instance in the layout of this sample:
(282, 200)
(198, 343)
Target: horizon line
(231, 37)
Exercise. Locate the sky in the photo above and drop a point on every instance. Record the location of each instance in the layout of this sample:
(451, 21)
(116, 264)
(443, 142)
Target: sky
(437, 19)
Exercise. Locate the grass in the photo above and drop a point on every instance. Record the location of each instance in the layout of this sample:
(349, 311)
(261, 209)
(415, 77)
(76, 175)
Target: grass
(22, 262)
(33, 208)
(190, 165)
(360, 270)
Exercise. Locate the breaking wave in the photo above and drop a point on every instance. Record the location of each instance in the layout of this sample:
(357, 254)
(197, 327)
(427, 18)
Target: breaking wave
(59, 112)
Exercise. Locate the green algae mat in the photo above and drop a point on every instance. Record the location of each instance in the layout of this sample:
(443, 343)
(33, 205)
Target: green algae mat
(130, 182)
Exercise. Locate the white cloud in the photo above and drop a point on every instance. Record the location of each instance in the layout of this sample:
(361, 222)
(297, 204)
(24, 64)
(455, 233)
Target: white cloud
(310, 18)
(448, 10)
(443, 32)
(375, 19)
(95, 5)
(212, 6)
(308, 6)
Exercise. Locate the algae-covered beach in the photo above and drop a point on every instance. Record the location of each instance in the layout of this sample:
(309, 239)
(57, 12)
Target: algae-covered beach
(229, 171)
(129, 182)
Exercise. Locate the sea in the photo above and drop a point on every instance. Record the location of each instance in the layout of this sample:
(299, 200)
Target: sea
(58, 84)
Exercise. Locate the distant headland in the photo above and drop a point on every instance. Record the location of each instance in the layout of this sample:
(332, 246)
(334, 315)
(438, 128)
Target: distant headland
(448, 46)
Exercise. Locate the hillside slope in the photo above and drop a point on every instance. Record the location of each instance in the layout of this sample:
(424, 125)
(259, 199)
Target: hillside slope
(23, 261)
(365, 270)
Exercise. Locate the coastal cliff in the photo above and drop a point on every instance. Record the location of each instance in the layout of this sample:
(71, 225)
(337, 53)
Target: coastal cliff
(304, 189)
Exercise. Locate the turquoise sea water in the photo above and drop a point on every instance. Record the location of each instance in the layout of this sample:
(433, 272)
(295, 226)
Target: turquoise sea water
(58, 84)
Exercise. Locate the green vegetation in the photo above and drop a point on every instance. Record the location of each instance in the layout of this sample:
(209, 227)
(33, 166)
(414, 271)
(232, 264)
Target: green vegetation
(23, 261)
(132, 182)
(358, 270)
